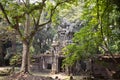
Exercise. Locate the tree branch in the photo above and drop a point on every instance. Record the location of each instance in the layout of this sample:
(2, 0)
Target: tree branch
(24, 3)
(38, 20)
(16, 26)
(52, 12)
(19, 32)
(40, 12)
(5, 14)
(33, 19)
(41, 26)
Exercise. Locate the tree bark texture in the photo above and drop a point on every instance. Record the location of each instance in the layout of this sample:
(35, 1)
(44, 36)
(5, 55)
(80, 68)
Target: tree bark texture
(25, 58)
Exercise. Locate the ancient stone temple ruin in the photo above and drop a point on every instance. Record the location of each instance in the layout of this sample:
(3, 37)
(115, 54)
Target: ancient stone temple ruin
(65, 32)
(52, 59)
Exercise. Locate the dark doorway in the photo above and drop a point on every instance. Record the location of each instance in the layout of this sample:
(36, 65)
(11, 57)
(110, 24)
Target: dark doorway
(49, 66)
(60, 64)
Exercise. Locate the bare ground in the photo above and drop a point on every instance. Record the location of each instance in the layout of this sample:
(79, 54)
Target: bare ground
(45, 75)
(27, 77)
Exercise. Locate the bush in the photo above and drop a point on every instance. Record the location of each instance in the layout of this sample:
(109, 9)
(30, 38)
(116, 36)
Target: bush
(16, 60)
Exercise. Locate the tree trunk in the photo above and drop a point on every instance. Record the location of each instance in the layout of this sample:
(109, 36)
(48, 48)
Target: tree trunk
(25, 68)
(25, 58)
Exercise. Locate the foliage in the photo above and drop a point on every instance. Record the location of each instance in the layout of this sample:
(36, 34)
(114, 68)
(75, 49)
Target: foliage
(72, 12)
(43, 39)
(16, 60)
(100, 32)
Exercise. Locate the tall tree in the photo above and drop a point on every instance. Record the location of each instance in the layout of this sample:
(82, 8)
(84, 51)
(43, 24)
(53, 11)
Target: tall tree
(27, 18)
